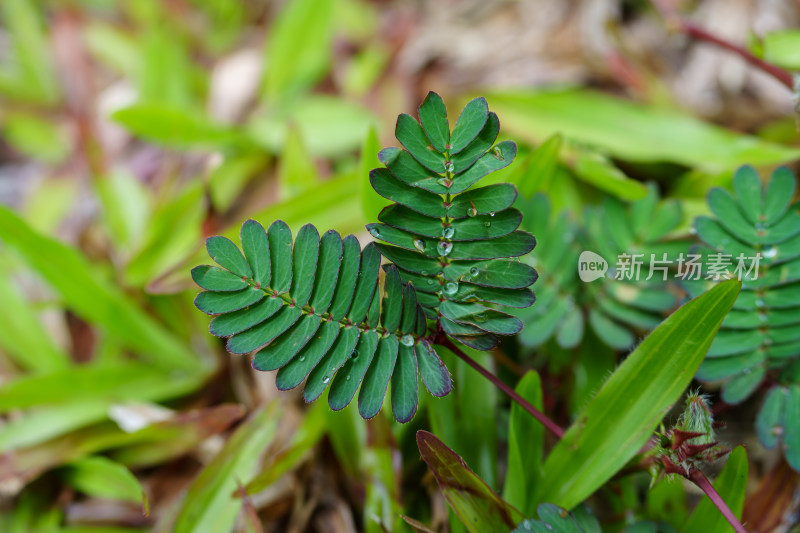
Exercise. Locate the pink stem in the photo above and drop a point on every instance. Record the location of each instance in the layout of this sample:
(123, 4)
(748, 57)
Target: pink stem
(698, 33)
(554, 428)
(705, 485)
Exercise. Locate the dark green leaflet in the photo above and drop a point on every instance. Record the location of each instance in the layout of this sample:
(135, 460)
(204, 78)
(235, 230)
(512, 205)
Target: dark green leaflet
(347, 379)
(279, 352)
(405, 390)
(227, 255)
(217, 279)
(256, 250)
(214, 303)
(377, 377)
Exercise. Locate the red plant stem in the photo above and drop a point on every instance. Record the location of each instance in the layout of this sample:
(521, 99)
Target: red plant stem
(705, 485)
(554, 428)
(700, 34)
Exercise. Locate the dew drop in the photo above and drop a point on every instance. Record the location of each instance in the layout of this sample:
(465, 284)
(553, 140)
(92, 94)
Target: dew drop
(480, 317)
(430, 281)
(326, 379)
(302, 358)
(423, 272)
(491, 213)
(474, 271)
(375, 233)
(348, 377)
(498, 153)
(407, 340)
(548, 527)
(444, 247)
(444, 182)
(759, 303)
(759, 226)
(448, 232)
(450, 288)
(487, 224)
(762, 317)
(449, 166)
(419, 244)
(769, 252)
(471, 212)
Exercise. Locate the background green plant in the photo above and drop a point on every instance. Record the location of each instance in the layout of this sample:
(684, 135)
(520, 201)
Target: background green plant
(118, 159)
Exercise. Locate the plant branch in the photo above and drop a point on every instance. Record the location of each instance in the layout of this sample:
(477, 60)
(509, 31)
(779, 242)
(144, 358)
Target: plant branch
(667, 10)
(700, 479)
(554, 428)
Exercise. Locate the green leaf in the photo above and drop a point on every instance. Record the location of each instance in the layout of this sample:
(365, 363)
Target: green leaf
(227, 255)
(540, 167)
(174, 127)
(398, 191)
(482, 201)
(214, 303)
(781, 48)
(433, 116)
(410, 134)
(498, 157)
(525, 447)
(304, 263)
(611, 429)
(432, 370)
(469, 124)
(298, 48)
(479, 146)
(93, 298)
(211, 503)
(650, 134)
(217, 279)
(346, 381)
(348, 275)
(731, 484)
(405, 390)
(103, 478)
(478, 507)
(255, 245)
(597, 170)
(769, 423)
(282, 350)
(376, 380)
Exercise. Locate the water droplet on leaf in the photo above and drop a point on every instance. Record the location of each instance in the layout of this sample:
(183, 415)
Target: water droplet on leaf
(471, 212)
(474, 271)
(348, 377)
(444, 247)
(326, 379)
(407, 340)
(444, 182)
(491, 213)
(487, 224)
(768, 252)
(419, 244)
(448, 166)
(375, 233)
(448, 232)
(450, 288)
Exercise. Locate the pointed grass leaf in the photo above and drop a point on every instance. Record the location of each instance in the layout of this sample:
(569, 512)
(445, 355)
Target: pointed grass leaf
(478, 507)
(376, 379)
(611, 429)
(412, 137)
(405, 390)
(211, 502)
(469, 124)
(731, 484)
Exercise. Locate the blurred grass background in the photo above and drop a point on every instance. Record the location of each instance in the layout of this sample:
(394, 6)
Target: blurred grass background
(130, 130)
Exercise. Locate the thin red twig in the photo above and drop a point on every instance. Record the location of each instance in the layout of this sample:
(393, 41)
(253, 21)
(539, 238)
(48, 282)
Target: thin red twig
(554, 428)
(705, 485)
(702, 35)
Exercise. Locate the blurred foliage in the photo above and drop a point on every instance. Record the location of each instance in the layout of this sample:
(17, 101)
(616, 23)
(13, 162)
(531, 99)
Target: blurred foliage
(132, 130)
